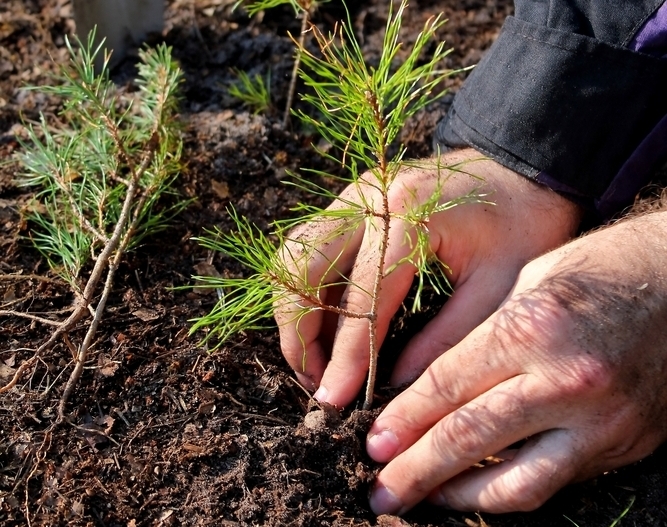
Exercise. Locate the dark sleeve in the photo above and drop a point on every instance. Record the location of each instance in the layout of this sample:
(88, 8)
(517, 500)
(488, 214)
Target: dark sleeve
(568, 97)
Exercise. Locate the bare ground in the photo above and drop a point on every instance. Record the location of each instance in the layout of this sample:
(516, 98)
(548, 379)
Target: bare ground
(167, 434)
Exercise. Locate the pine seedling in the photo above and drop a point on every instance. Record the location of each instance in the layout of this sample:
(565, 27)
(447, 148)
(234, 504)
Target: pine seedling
(103, 144)
(253, 92)
(101, 171)
(361, 112)
(302, 8)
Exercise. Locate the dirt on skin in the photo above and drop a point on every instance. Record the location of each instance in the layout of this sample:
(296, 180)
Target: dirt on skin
(167, 434)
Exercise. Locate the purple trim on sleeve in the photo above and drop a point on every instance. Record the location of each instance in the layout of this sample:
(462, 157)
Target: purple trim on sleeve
(652, 37)
(551, 182)
(636, 171)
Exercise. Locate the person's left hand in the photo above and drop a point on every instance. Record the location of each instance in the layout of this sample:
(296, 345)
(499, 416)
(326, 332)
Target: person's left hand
(484, 247)
(574, 361)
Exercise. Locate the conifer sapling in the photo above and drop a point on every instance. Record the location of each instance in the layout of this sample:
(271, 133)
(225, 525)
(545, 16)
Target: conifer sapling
(360, 111)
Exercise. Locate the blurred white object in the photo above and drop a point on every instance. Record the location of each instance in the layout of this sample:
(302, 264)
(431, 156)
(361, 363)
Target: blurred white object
(124, 23)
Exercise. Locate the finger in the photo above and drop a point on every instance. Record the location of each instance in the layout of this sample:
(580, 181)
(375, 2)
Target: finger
(305, 338)
(347, 369)
(511, 411)
(470, 304)
(540, 468)
(522, 334)
(306, 334)
(319, 260)
(477, 364)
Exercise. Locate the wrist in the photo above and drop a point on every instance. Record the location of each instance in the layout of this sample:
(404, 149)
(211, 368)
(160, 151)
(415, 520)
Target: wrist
(530, 215)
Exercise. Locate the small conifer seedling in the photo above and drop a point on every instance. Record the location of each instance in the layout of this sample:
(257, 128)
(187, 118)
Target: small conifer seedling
(303, 9)
(254, 92)
(360, 110)
(100, 170)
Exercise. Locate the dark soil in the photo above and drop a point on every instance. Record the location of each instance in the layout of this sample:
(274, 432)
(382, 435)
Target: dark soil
(166, 433)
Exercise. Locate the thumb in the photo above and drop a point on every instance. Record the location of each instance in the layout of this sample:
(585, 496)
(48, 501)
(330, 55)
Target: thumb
(472, 302)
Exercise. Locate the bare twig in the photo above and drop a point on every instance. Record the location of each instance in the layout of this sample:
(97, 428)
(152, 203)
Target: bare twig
(18, 276)
(118, 242)
(39, 458)
(11, 313)
(295, 69)
(19, 372)
(92, 431)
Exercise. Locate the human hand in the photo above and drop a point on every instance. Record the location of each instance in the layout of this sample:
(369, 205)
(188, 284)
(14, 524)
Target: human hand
(574, 360)
(484, 245)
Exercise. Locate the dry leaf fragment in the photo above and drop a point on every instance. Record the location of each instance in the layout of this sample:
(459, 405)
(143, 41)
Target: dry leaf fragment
(194, 448)
(6, 372)
(10, 294)
(106, 367)
(206, 408)
(146, 315)
(387, 520)
(77, 508)
(165, 515)
(221, 189)
(206, 269)
(106, 422)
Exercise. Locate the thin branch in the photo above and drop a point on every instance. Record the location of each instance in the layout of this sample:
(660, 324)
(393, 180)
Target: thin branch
(317, 303)
(11, 313)
(19, 372)
(19, 276)
(92, 431)
(295, 69)
(79, 213)
(40, 456)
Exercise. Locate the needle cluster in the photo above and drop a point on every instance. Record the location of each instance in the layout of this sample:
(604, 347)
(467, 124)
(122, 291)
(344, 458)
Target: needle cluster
(100, 168)
(103, 147)
(254, 92)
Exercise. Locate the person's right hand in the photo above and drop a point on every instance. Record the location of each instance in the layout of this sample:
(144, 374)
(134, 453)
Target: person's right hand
(485, 246)
(573, 362)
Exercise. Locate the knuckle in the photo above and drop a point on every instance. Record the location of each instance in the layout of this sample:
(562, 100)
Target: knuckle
(294, 256)
(457, 437)
(525, 494)
(355, 300)
(586, 375)
(527, 487)
(397, 197)
(447, 389)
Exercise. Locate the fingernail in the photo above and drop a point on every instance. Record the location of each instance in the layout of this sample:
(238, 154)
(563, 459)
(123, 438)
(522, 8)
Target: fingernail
(305, 381)
(382, 446)
(439, 499)
(321, 394)
(384, 501)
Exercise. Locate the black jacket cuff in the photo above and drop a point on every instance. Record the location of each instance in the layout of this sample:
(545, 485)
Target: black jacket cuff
(545, 101)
